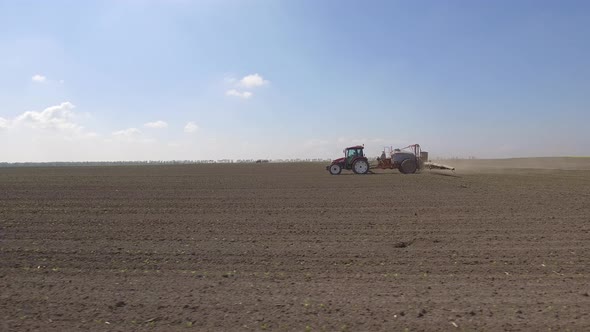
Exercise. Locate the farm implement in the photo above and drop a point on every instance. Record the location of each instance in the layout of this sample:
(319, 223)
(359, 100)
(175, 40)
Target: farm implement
(408, 160)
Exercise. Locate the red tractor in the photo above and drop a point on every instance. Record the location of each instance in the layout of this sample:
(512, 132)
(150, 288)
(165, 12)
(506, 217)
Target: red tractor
(354, 159)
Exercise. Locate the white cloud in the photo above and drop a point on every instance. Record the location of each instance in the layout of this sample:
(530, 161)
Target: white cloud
(253, 80)
(156, 124)
(246, 82)
(39, 78)
(240, 94)
(129, 132)
(50, 134)
(58, 118)
(191, 127)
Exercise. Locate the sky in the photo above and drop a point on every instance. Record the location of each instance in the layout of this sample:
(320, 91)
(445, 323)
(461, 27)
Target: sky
(214, 79)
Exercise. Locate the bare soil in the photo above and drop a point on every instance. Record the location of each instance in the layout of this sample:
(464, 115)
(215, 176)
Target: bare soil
(289, 247)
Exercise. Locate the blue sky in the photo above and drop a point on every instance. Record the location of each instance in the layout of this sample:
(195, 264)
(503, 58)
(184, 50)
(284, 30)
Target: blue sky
(126, 80)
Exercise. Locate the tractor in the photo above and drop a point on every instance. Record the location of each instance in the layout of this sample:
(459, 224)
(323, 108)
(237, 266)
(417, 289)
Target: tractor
(354, 159)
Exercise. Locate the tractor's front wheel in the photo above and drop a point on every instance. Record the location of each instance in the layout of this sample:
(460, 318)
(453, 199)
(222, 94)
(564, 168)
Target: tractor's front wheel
(360, 166)
(335, 169)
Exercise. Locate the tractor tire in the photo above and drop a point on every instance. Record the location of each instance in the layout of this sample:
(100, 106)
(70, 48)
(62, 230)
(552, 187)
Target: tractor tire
(408, 166)
(360, 166)
(335, 169)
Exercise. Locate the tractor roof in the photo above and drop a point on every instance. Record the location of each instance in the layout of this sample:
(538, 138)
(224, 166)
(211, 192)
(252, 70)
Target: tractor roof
(355, 147)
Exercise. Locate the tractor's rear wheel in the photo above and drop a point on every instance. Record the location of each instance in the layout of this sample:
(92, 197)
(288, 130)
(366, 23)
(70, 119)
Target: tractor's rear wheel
(335, 169)
(360, 166)
(408, 166)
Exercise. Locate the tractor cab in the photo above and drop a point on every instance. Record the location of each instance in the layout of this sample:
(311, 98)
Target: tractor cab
(351, 153)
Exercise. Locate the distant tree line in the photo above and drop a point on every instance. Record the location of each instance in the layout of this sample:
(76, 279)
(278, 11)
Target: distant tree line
(156, 162)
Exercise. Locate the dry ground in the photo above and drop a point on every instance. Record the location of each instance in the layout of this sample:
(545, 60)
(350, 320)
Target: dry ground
(289, 247)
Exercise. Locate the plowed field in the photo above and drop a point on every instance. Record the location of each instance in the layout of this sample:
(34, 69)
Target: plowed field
(289, 247)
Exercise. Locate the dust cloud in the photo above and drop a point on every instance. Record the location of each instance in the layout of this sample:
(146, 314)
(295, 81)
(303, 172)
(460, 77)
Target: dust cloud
(539, 163)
